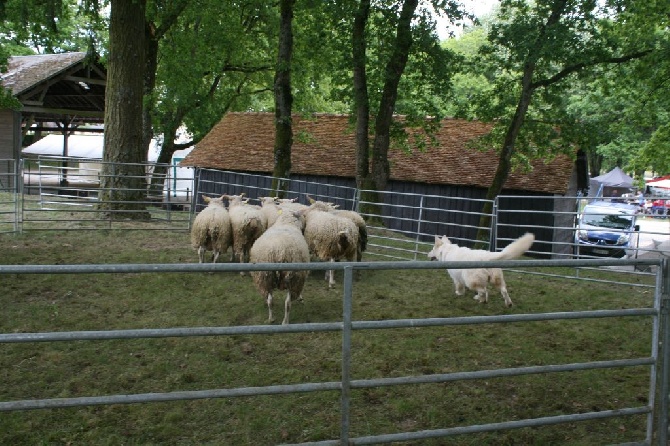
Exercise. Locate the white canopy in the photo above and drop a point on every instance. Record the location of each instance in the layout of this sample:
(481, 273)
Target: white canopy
(78, 146)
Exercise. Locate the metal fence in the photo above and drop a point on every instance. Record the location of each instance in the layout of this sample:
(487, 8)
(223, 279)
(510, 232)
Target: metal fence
(655, 364)
(63, 193)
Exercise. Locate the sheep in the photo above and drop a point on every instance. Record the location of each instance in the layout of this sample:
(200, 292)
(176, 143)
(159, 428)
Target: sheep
(329, 236)
(291, 204)
(211, 229)
(283, 242)
(248, 223)
(270, 208)
(354, 217)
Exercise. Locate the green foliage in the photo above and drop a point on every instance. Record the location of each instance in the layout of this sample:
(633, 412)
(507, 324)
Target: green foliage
(52, 26)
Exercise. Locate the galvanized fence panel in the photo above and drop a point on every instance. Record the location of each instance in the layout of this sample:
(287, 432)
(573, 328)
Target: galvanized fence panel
(63, 193)
(655, 433)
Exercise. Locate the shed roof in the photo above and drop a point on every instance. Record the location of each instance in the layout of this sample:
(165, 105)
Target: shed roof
(51, 86)
(324, 145)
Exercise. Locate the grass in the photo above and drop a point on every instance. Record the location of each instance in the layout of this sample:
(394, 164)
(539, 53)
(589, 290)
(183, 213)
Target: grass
(63, 302)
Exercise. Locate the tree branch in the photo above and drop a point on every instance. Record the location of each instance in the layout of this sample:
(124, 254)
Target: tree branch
(565, 72)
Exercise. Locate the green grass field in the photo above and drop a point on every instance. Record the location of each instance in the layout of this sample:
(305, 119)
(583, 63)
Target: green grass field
(68, 302)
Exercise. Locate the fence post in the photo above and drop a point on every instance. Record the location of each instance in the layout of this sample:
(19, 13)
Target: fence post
(493, 238)
(418, 228)
(665, 353)
(345, 395)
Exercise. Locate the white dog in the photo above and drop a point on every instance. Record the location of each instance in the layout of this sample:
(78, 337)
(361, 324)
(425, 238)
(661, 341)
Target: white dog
(477, 279)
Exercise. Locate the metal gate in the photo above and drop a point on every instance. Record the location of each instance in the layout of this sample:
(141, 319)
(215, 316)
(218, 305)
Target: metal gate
(657, 362)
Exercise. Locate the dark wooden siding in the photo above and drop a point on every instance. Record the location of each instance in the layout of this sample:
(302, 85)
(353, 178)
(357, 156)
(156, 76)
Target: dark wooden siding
(425, 209)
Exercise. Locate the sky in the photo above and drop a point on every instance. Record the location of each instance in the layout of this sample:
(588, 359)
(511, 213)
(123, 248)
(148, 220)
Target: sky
(477, 7)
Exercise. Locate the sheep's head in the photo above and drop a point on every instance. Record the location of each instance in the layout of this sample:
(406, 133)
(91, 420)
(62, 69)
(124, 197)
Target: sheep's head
(234, 200)
(217, 201)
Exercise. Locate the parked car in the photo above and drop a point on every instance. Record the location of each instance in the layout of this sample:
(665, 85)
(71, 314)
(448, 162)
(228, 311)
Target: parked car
(607, 228)
(660, 208)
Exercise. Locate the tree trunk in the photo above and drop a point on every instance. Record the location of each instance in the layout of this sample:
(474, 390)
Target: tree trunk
(123, 179)
(369, 196)
(283, 101)
(151, 64)
(394, 70)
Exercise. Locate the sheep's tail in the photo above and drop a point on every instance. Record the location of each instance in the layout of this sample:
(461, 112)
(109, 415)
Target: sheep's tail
(517, 248)
(362, 238)
(344, 240)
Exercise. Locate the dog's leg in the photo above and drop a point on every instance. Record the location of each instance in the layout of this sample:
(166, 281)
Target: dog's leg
(482, 295)
(499, 282)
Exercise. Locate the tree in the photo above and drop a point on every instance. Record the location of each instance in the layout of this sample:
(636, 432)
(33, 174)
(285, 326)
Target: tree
(122, 183)
(395, 52)
(283, 99)
(537, 47)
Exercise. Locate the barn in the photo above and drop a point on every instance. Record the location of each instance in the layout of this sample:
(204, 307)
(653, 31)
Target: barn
(323, 152)
(57, 93)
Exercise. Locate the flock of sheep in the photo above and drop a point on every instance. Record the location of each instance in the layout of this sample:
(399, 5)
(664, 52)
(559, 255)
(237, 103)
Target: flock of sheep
(278, 231)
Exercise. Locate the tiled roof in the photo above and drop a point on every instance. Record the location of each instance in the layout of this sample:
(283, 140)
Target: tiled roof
(26, 71)
(325, 145)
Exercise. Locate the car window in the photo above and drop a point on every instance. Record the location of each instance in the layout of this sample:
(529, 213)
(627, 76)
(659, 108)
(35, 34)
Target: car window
(614, 221)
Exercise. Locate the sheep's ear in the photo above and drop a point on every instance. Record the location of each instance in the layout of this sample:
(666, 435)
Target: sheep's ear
(206, 199)
(310, 199)
(242, 194)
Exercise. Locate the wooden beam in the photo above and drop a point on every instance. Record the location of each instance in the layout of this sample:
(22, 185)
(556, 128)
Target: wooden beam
(86, 80)
(64, 111)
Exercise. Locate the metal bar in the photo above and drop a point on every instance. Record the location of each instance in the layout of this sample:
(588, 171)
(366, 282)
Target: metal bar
(663, 280)
(535, 422)
(298, 328)
(315, 266)
(345, 396)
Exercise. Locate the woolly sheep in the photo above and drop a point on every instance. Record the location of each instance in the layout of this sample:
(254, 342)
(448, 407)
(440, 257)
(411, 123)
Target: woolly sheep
(283, 242)
(248, 223)
(329, 236)
(211, 229)
(270, 208)
(354, 217)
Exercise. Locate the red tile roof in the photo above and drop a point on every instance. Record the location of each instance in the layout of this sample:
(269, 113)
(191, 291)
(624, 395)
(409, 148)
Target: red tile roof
(324, 145)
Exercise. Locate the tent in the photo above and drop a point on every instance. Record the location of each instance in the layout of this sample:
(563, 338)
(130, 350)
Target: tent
(611, 184)
(78, 146)
(658, 187)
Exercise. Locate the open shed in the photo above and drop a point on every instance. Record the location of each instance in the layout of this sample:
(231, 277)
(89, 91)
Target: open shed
(58, 93)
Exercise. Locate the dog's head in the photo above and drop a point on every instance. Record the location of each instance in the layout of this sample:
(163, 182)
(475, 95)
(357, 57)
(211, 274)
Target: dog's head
(441, 245)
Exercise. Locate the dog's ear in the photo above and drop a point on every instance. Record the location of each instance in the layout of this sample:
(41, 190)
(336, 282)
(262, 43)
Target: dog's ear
(445, 240)
(438, 240)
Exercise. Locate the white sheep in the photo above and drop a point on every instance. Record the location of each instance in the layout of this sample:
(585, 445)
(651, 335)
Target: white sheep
(211, 229)
(291, 204)
(355, 217)
(270, 208)
(283, 242)
(329, 236)
(248, 223)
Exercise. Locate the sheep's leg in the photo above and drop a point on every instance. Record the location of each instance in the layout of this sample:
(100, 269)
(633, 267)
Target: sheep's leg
(331, 276)
(268, 300)
(201, 254)
(287, 308)
(215, 256)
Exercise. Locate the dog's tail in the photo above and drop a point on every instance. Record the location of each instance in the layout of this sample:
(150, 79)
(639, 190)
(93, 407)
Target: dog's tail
(517, 248)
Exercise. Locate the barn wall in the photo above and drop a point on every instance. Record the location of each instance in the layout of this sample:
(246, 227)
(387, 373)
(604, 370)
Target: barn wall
(426, 209)
(10, 141)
